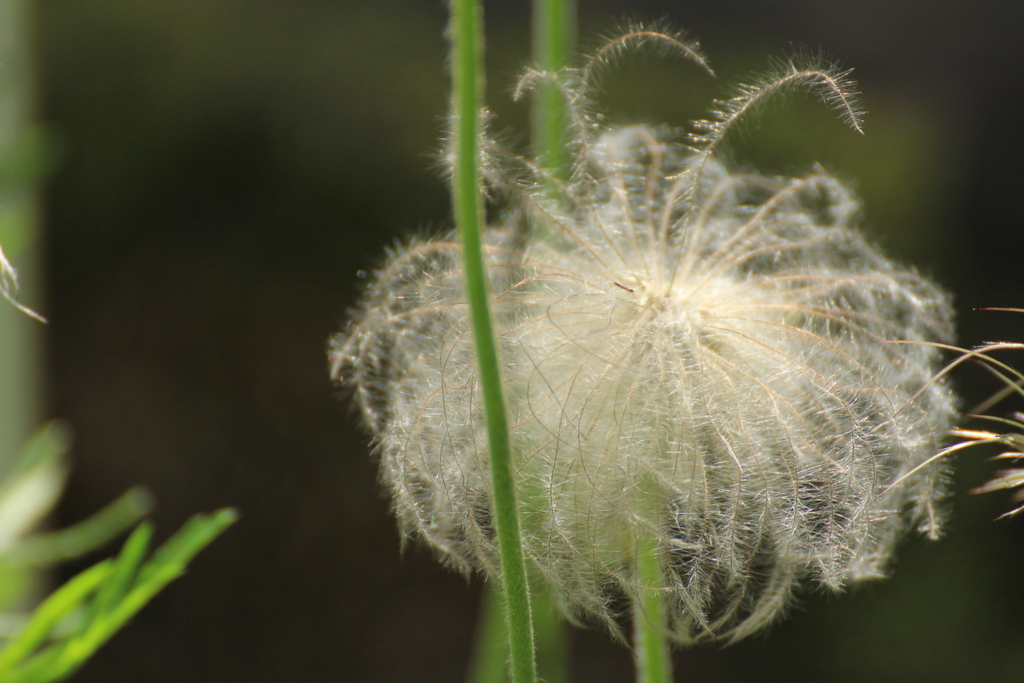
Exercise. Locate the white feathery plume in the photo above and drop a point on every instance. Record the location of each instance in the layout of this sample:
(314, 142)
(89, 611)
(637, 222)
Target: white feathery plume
(689, 353)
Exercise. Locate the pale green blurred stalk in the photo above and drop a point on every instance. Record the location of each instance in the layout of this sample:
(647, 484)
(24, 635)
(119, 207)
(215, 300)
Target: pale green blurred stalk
(21, 376)
(554, 35)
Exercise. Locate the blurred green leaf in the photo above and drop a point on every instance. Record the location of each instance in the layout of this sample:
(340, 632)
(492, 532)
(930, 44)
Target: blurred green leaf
(48, 548)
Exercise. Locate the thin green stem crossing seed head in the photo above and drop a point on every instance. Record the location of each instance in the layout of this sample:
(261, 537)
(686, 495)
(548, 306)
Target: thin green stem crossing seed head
(691, 355)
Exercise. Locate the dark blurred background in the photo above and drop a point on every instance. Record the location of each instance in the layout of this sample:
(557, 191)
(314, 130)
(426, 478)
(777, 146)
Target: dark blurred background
(229, 166)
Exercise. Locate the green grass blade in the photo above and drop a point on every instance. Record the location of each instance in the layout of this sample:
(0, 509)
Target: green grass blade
(170, 560)
(122, 588)
(125, 567)
(38, 669)
(168, 563)
(60, 604)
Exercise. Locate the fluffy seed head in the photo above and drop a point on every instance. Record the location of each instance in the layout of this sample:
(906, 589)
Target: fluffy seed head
(690, 355)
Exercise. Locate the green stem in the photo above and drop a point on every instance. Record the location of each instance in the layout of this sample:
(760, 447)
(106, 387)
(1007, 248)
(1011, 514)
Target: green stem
(554, 30)
(467, 77)
(653, 660)
(552, 637)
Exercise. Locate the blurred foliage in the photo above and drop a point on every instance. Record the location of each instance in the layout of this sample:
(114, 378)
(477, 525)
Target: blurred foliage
(80, 616)
(76, 619)
(67, 628)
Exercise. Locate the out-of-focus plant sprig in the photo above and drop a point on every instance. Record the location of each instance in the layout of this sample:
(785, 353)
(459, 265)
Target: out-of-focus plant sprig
(1012, 478)
(69, 626)
(79, 617)
(82, 615)
(1008, 431)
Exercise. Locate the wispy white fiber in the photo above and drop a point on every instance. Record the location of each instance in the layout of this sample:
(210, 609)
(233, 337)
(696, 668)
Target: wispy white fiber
(9, 287)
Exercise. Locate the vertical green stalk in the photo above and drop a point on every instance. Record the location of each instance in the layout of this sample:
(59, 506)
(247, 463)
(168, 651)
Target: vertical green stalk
(650, 647)
(490, 654)
(554, 32)
(653, 659)
(551, 636)
(467, 81)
